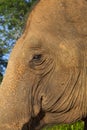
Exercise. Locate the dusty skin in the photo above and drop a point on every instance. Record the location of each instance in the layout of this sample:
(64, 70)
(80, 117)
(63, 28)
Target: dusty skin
(46, 78)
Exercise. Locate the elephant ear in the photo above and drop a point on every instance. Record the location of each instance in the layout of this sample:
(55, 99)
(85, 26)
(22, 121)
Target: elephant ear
(63, 100)
(71, 53)
(73, 56)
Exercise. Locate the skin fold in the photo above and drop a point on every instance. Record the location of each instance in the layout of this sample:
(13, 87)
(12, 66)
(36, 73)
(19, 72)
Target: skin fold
(46, 77)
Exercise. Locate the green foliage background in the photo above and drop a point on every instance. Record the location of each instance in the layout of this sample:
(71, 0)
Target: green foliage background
(76, 126)
(13, 14)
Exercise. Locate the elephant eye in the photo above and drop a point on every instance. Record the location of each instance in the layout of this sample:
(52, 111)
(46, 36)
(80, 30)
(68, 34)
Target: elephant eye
(37, 57)
(37, 60)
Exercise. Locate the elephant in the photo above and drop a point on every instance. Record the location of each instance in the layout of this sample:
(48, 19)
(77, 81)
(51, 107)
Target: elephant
(46, 78)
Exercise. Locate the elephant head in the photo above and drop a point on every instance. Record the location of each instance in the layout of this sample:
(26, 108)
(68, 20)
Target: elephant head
(45, 81)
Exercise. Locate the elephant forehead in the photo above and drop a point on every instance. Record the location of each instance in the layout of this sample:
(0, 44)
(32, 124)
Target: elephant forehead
(58, 17)
(49, 20)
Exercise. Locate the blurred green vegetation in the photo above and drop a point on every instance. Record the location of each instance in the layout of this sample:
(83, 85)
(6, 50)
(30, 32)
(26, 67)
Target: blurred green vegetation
(13, 15)
(76, 126)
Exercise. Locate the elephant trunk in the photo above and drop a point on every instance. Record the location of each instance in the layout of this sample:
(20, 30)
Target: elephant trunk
(14, 107)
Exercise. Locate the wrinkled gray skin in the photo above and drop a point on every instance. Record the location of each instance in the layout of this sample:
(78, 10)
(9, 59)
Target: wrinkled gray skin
(46, 77)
